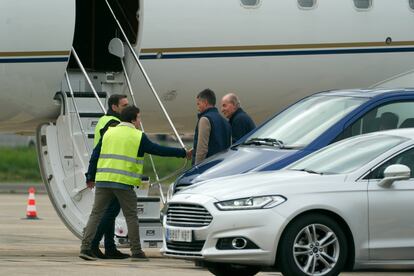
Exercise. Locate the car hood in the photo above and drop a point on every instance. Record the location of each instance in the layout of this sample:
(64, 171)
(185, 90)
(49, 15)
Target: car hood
(236, 160)
(284, 182)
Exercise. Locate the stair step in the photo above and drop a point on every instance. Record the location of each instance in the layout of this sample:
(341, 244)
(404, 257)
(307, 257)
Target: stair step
(88, 122)
(86, 105)
(149, 220)
(149, 198)
(87, 94)
(90, 114)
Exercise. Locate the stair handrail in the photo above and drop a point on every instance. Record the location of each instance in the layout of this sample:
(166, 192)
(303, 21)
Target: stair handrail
(145, 75)
(88, 79)
(158, 180)
(142, 126)
(77, 113)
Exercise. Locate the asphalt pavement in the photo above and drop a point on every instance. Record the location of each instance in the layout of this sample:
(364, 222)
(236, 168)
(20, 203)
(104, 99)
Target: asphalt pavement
(46, 247)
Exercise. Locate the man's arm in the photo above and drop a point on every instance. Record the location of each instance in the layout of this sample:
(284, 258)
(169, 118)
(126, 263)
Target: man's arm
(93, 164)
(204, 129)
(147, 146)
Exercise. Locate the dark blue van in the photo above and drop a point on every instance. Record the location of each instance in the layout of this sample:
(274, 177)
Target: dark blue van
(304, 127)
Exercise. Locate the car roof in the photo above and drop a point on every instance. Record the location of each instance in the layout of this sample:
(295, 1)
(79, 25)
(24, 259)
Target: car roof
(402, 132)
(368, 93)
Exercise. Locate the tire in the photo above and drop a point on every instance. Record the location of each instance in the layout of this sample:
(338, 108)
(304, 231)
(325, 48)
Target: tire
(232, 269)
(312, 257)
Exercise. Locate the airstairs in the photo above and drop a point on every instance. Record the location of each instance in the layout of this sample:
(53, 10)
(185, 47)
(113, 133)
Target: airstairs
(64, 147)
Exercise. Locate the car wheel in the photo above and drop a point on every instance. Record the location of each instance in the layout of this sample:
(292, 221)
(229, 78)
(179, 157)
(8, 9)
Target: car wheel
(313, 244)
(232, 269)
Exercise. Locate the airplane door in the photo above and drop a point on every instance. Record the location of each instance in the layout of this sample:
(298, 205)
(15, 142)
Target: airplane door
(391, 217)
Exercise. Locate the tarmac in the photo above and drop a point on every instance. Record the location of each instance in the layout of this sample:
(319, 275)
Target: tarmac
(45, 247)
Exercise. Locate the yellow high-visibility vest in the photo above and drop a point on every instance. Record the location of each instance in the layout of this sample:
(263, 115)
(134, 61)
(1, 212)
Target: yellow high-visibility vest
(100, 125)
(118, 161)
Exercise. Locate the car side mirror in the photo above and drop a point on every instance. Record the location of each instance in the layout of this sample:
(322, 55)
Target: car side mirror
(393, 173)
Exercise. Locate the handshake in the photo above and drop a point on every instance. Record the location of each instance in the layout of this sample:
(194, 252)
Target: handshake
(189, 154)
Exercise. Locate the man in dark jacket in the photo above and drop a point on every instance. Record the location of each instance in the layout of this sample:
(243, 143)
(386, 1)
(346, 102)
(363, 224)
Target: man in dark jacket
(212, 133)
(116, 103)
(240, 122)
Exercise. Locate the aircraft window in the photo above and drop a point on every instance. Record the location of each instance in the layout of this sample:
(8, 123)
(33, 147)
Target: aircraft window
(306, 3)
(250, 3)
(411, 2)
(363, 4)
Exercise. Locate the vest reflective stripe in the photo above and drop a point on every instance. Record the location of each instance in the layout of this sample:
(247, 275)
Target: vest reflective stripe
(120, 157)
(119, 165)
(106, 170)
(100, 125)
(118, 161)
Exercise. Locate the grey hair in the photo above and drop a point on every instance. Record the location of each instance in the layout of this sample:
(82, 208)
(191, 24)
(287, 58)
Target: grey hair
(232, 97)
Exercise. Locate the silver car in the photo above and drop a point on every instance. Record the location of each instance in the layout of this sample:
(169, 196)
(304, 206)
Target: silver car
(347, 206)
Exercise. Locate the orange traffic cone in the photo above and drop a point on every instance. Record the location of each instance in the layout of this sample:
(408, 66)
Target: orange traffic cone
(31, 205)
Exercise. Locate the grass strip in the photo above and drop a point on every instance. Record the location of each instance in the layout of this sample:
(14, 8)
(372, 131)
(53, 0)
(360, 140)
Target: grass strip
(20, 165)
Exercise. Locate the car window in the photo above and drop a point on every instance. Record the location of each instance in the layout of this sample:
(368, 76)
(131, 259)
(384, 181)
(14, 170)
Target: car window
(304, 121)
(348, 155)
(388, 116)
(405, 158)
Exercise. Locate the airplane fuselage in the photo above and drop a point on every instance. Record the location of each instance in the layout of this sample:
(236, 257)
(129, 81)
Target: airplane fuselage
(270, 55)
(36, 37)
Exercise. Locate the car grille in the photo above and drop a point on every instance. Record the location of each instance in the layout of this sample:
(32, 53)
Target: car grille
(188, 215)
(194, 246)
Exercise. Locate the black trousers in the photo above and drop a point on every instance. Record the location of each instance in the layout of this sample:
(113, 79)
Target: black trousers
(107, 226)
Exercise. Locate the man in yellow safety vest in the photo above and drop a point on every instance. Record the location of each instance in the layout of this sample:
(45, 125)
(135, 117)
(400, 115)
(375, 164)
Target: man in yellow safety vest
(116, 167)
(106, 227)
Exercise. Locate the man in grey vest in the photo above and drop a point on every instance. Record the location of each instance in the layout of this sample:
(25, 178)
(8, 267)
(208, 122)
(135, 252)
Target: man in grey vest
(212, 133)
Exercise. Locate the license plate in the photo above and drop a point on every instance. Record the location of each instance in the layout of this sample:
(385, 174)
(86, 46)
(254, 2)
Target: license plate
(178, 234)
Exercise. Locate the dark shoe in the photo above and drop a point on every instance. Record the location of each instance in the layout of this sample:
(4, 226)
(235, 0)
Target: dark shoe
(115, 254)
(98, 253)
(139, 257)
(87, 255)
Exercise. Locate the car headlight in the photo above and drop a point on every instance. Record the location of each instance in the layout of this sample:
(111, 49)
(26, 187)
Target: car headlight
(249, 203)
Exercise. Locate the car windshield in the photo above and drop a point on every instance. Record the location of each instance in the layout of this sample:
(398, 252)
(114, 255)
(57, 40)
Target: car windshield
(301, 123)
(347, 155)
